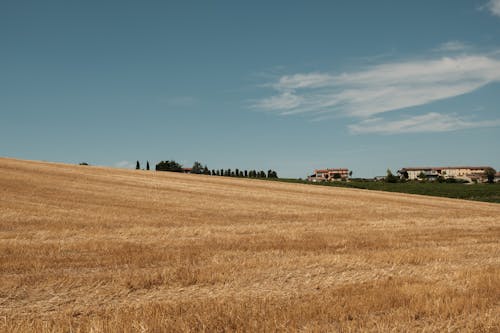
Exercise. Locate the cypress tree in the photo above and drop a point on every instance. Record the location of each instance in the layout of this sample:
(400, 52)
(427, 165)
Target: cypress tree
(137, 165)
(147, 165)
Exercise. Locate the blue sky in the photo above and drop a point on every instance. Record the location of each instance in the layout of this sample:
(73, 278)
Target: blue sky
(287, 85)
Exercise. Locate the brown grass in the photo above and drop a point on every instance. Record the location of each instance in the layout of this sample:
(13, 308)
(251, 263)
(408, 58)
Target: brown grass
(88, 249)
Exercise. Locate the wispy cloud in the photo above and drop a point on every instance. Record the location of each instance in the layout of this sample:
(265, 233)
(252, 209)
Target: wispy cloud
(386, 87)
(430, 122)
(286, 100)
(494, 7)
(452, 46)
(125, 165)
(381, 88)
(309, 80)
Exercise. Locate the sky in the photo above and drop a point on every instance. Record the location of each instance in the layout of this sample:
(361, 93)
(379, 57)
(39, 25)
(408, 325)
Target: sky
(284, 85)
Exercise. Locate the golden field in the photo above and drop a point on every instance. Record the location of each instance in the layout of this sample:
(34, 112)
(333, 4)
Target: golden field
(90, 249)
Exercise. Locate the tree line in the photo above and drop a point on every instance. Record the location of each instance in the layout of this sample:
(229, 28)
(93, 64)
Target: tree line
(201, 169)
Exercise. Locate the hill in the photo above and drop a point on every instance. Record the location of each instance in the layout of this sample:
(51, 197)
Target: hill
(89, 248)
(477, 192)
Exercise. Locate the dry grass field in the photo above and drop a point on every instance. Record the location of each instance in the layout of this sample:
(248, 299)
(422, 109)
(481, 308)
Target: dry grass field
(89, 249)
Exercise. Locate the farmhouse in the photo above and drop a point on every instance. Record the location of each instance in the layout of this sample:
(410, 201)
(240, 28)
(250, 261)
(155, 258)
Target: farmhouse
(468, 173)
(321, 175)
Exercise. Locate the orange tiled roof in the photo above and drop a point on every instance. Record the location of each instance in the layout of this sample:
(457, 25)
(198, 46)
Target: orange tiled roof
(331, 170)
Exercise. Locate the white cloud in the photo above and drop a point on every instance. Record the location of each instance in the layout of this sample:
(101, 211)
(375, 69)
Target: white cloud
(286, 100)
(454, 45)
(494, 7)
(382, 88)
(310, 80)
(430, 122)
(386, 87)
(125, 164)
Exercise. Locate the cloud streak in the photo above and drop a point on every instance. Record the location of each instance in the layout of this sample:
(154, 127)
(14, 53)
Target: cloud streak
(427, 123)
(494, 7)
(376, 90)
(382, 88)
(125, 165)
(452, 46)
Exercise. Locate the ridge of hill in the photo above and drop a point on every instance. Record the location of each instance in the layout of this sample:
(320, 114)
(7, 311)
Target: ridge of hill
(112, 250)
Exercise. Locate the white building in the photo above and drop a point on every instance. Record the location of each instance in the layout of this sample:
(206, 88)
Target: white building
(467, 173)
(321, 175)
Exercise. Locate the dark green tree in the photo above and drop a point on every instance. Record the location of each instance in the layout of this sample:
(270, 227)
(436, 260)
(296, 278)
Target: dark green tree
(137, 165)
(490, 175)
(147, 165)
(197, 168)
(421, 176)
(390, 178)
(246, 174)
(206, 171)
(169, 166)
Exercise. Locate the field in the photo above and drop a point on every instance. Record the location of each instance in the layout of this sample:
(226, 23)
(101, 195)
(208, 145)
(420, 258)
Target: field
(89, 249)
(477, 192)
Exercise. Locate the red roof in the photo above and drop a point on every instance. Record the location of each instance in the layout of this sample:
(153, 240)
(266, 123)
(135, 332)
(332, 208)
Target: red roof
(330, 170)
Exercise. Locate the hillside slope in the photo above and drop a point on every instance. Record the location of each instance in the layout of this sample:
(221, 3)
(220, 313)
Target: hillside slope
(112, 250)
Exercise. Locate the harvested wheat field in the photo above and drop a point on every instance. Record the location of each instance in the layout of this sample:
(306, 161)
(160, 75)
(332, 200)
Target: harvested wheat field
(108, 250)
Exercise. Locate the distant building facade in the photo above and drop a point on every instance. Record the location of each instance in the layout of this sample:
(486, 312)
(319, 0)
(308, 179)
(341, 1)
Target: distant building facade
(468, 173)
(322, 175)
